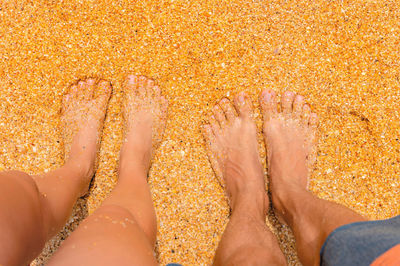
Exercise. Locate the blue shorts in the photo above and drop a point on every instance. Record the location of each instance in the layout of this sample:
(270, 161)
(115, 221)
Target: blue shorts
(360, 243)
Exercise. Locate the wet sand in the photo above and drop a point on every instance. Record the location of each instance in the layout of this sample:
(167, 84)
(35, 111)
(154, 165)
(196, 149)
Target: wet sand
(343, 57)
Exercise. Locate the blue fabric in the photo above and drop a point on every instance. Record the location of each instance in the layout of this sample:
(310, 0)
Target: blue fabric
(173, 264)
(360, 243)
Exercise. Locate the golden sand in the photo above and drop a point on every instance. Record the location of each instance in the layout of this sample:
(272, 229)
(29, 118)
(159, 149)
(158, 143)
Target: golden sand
(342, 55)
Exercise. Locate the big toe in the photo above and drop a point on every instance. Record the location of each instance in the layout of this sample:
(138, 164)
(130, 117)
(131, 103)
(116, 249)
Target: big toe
(89, 86)
(243, 105)
(131, 84)
(268, 104)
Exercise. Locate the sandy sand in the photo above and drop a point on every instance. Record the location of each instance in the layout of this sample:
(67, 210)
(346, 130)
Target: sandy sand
(342, 55)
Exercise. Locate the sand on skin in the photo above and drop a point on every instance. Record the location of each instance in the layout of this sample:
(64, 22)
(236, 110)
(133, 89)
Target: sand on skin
(342, 56)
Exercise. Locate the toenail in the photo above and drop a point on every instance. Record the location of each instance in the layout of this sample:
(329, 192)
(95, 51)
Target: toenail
(132, 79)
(267, 95)
(104, 84)
(241, 97)
(289, 93)
(91, 81)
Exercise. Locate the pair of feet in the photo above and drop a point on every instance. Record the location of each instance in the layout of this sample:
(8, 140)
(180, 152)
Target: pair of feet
(289, 130)
(83, 113)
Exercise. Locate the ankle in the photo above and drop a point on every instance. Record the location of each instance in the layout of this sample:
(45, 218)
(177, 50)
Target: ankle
(133, 158)
(249, 205)
(81, 169)
(246, 194)
(132, 163)
(288, 199)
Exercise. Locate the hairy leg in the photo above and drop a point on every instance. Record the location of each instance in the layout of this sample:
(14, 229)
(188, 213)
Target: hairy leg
(123, 230)
(290, 137)
(34, 208)
(232, 148)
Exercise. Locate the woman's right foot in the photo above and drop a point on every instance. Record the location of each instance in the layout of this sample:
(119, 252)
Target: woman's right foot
(290, 140)
(145, 116)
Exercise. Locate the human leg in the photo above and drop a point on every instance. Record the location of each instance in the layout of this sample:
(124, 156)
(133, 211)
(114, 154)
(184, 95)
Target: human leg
(123, 230)
(34, 208)
(232, 149)
(290, 140)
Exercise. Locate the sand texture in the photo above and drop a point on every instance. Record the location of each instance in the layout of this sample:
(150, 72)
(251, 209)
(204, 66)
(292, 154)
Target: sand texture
(343, 56)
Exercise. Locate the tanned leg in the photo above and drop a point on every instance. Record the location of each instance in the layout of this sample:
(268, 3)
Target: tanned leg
(232, 146)
(34, 208)
(123, 230)
(290, 137)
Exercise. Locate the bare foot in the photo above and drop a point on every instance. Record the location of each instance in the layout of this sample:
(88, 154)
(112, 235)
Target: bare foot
(290, 140)
(82, 116)
(145, 115)
(232, 147)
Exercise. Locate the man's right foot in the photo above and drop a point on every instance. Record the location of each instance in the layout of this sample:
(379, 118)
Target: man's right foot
(231, 137)
(290, 139)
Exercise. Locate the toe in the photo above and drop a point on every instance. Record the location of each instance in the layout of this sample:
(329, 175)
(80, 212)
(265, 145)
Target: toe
(219, 115)
(268, 104)
(142, 86)
(313, 122)
(131, 84)
(243, 105)
(104, 93)
(163, 116)
(157, 92)
(287, 102)
(212, 151)
(150, 87)
(164, 107)
(66, 101)
(153, 90)
(216, 128)
(89, 89)
(81, 89)
(305, 116)
(298, 106)
(228, 109)
(73, 92)
(208, 134)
